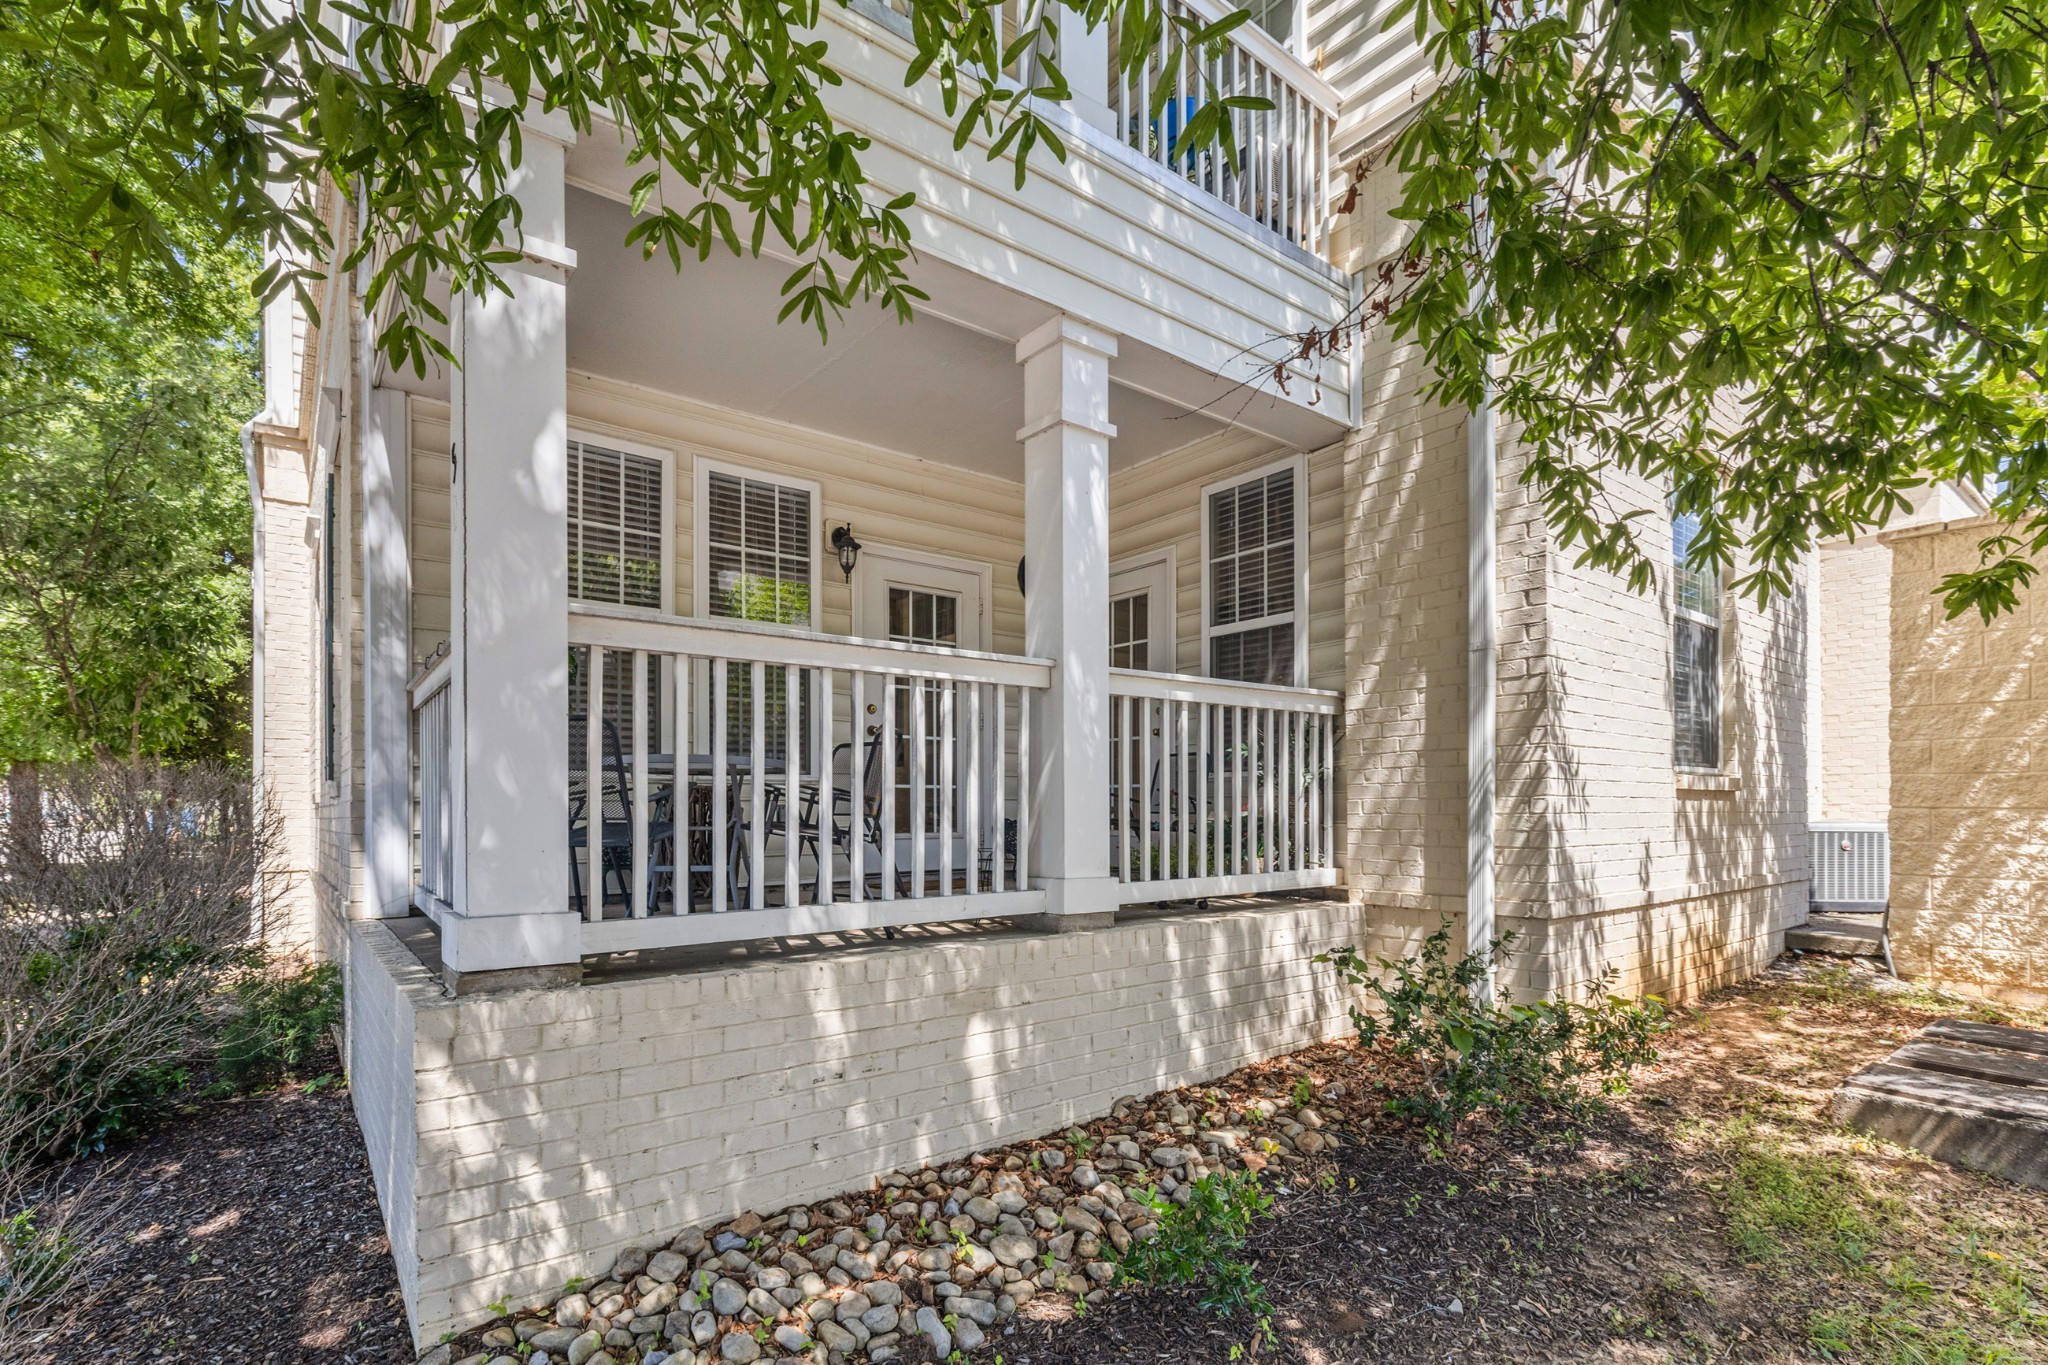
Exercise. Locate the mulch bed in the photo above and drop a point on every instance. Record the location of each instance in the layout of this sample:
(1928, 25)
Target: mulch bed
(246, 1233)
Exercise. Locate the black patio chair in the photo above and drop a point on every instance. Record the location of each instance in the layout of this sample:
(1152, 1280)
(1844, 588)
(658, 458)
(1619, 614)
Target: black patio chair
(613, 855)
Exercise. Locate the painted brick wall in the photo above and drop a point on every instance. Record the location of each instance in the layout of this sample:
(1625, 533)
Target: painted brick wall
(1969, 806)
(1605, 858)
(555, 1127)
(286, 767)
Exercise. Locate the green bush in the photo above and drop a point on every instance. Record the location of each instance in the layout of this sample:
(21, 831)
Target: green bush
(278, 1027)
(1199, 1243)
(1508, 1058)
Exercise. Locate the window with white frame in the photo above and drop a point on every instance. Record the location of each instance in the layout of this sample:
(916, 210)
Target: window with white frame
(617, 553)
(615, 526)
(756, 565)
(1254, 557)
(1695, 651)
(757, 540)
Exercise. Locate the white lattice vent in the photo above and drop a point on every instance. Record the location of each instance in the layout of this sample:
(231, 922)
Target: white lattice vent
(1852, 864)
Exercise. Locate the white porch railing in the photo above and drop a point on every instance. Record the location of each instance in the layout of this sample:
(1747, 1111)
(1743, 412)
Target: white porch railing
(1220, 788)
(1279, 174)
(433, 797)
(756, 782)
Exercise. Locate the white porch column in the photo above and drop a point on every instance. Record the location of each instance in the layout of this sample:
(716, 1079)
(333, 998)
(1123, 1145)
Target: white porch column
(387, 650)
(509, 604)
(1066, 438)
(1084, 61)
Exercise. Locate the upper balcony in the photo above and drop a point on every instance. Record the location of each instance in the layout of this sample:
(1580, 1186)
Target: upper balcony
(1206, 264)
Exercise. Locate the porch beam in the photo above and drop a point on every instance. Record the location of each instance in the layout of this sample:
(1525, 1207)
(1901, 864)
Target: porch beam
(1066, 437)
(509, 607)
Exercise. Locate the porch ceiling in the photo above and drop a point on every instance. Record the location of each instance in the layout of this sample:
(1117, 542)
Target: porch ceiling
(945, 387)
(934, 388)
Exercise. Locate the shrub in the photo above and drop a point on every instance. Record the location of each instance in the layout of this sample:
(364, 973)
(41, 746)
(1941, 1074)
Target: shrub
(278, 1026)
(1199, 1243)
(1508, 1058)
(125, 907)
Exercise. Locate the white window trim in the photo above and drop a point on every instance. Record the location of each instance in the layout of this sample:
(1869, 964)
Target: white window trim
(1723, 622)
(703, 465)
(1298, 462)
(666, 457)
(1166, 560)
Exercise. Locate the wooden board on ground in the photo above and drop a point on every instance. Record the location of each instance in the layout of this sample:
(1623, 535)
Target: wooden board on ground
(1973, 1095)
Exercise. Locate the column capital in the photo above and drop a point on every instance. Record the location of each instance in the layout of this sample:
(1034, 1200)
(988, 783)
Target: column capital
(1071, 331)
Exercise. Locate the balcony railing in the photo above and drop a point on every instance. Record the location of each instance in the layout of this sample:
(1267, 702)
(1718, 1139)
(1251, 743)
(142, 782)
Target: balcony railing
(755, 782)
(433, 797)
(1279, 171)
(1220, 788)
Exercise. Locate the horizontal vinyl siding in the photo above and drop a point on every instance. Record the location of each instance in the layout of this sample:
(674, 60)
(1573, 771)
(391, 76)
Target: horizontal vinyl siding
(428, 531)
(1159, 503)
(1379, 73)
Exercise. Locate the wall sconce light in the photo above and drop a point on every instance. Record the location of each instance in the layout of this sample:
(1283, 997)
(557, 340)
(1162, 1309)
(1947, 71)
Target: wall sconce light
(846, 548)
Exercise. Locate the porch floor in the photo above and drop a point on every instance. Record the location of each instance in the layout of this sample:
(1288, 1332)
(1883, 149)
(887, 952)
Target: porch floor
(422, 938)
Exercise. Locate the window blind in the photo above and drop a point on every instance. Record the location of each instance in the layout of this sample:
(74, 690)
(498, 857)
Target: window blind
(1253, 551)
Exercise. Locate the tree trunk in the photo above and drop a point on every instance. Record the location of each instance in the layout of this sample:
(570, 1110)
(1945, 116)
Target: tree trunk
(25, 849)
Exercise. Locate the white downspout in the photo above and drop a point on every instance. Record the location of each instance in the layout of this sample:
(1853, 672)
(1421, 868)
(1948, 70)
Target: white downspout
(1481, 671)
(1481, 723)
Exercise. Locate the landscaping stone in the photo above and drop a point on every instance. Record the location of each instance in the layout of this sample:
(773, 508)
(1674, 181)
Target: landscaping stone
(875, 1276)
(933, 1329)
(728, 1297)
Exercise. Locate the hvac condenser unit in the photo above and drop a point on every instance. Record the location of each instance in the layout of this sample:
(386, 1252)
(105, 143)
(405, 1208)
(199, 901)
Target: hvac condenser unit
(1852, 865)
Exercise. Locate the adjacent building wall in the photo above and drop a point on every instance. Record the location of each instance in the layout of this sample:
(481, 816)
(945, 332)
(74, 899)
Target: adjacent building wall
(1851, 711)
(545, 1130)
(1969, 803)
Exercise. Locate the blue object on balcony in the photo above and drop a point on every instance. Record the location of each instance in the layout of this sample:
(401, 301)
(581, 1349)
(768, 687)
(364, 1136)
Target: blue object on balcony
(1178, 113)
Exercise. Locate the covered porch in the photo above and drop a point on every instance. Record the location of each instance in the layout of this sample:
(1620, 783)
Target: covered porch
(696, 631)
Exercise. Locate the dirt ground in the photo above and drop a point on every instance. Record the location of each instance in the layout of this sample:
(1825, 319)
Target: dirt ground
(244, 1232)
(1713, 1214)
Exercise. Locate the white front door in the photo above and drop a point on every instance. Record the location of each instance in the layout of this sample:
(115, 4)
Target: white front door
(920, 599)
(1141, 612)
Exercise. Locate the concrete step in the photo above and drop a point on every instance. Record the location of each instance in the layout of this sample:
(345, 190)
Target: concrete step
(1842, 935)
(1973, 1095)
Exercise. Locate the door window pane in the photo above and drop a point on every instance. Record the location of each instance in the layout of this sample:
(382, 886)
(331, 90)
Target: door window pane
(918, 616)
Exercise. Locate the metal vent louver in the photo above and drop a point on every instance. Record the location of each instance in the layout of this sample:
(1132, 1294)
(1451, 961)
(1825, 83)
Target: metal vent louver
(1852, 864)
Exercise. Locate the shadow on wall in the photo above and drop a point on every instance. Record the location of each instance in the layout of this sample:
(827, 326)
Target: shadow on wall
(1672, 886)
(1969, 801)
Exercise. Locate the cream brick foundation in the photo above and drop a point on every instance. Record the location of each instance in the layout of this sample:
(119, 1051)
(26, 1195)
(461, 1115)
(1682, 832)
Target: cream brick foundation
(524, 1138)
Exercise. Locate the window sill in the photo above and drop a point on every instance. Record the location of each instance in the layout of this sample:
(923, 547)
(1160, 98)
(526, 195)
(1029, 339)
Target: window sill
(1708, 782)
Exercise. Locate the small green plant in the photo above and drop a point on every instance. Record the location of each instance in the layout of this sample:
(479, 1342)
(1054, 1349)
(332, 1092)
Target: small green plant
(36, 1263)
(499, 1307)
(278, 1026)
(1200, 1242)
(1304, 1091)
(574, 1284)
(1080, 1142)
(1509, 1058)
